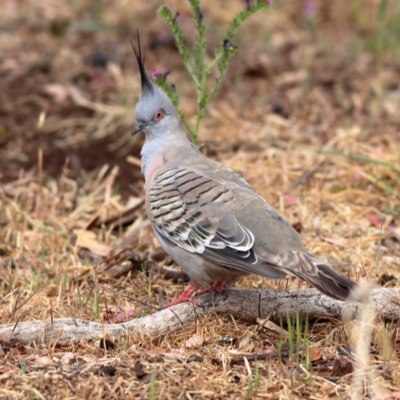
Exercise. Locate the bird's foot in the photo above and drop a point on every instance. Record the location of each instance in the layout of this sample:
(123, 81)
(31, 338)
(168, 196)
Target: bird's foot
(184, 296)
(192, 288)
(216, 286)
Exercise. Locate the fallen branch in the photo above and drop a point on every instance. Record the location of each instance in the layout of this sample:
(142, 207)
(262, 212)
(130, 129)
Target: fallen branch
(244, 304)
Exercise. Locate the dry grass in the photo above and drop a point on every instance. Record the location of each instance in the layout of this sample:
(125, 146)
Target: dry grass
(58, 224)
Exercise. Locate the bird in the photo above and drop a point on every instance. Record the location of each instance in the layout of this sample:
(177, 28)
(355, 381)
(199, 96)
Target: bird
(207, 218)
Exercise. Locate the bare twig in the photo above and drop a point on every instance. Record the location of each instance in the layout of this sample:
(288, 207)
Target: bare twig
(240, 303)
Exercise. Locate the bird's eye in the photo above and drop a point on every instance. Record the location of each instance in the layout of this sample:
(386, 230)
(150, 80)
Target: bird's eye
(159, 114)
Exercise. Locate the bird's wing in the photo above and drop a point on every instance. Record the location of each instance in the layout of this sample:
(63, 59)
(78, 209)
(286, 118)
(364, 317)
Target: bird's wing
(278, 244)
(196, 213)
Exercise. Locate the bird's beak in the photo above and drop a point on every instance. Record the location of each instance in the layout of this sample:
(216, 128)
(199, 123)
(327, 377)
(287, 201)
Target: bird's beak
(139, 127)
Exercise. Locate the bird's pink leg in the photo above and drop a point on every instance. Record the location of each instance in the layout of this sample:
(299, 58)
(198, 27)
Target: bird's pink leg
(217, 286)
(184, 296)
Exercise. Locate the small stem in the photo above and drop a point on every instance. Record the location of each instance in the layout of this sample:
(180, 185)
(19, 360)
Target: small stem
(196, 129)
(188, 127)
(200, 104)
(213, 62)
(194, 77)
(214, 90)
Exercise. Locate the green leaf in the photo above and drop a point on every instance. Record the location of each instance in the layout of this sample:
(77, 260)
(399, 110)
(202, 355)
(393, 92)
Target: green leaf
(383, 4)
(200, 47)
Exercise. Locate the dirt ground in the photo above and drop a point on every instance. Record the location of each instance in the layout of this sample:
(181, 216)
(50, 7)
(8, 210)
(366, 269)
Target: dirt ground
(308, 113)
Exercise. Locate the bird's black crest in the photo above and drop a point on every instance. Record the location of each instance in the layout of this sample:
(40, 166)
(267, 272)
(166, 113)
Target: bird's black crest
(147, 85)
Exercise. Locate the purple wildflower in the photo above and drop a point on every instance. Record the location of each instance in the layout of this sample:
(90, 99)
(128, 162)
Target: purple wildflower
(309, 7)
(248, 4)
(228, 44)
(201, 15)
(155, 74)
(177, 14)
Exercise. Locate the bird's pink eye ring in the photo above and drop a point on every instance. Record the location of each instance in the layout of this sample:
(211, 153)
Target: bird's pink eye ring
(159, 114)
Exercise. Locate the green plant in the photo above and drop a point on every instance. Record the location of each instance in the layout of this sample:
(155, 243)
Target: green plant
(80, 301)
(34, 281)
(31, 393)
(23, 367)
(383, 29)
(291, 334)
(388, 30)
(380, 183)
(356, 157)
(143, 267)
(297, 339)
(65, 279)
(378, 256)
(254, 381)
(250, 389)
(43, 253)
(195, 60)
(96, 304)
(149, 287)
(152, 387)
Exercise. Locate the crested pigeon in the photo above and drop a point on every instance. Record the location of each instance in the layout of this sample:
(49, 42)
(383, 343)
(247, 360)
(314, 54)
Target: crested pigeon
(207, 218)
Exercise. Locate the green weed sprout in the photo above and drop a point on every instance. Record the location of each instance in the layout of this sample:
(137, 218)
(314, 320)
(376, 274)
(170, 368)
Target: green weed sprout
(194, 59)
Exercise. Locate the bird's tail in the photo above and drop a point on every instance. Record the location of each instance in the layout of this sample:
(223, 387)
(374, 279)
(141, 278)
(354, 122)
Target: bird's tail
(324, 278)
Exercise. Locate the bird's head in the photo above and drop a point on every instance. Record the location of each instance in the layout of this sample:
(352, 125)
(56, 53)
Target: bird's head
(155, 113)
